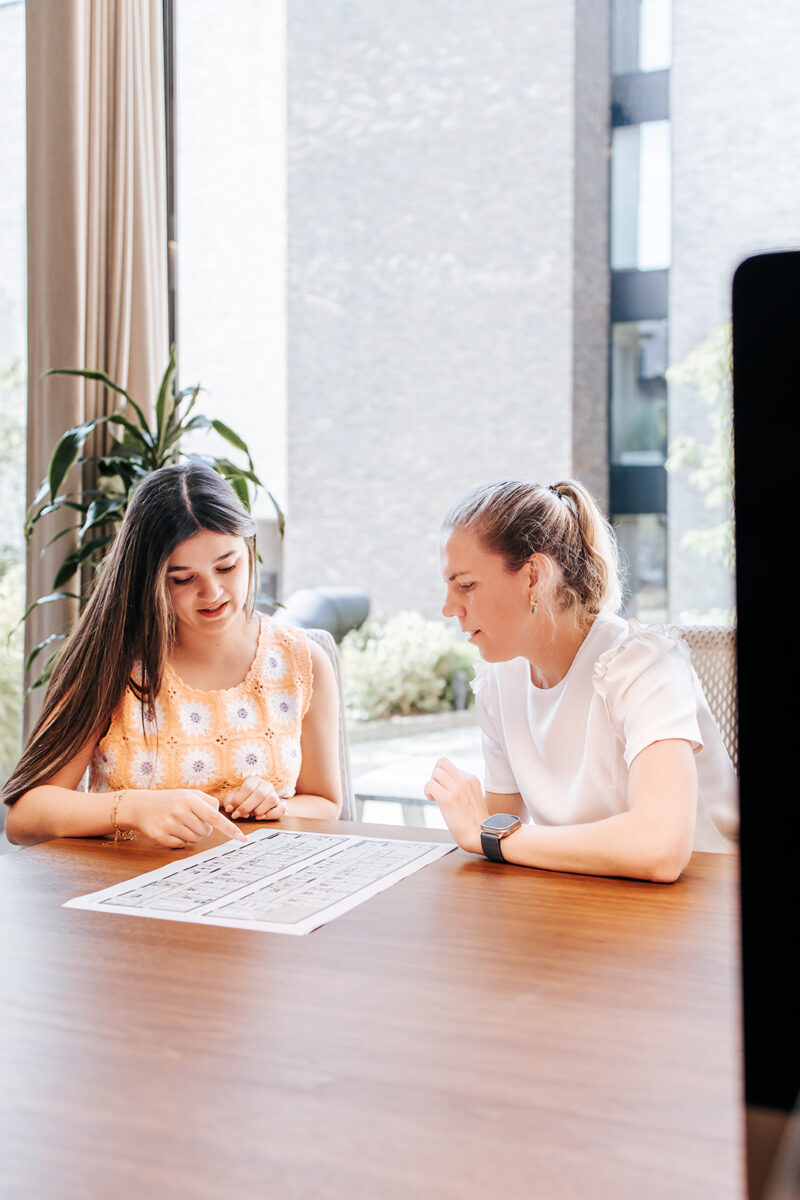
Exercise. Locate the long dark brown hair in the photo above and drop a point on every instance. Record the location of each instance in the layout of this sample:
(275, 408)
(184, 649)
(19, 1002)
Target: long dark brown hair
(128, 617)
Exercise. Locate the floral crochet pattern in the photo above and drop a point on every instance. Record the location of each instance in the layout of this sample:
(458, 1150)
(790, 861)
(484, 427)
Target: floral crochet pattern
(214, 740)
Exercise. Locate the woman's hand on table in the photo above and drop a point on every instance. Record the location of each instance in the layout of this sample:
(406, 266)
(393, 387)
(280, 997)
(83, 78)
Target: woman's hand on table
(174, 817)
(461, 801)
(254, 799)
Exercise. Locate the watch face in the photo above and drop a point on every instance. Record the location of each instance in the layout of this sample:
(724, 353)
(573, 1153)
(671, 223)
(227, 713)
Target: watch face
(500, 822)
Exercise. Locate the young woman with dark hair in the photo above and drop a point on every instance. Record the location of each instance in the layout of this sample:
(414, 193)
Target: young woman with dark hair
(177, 696)
(601, 755)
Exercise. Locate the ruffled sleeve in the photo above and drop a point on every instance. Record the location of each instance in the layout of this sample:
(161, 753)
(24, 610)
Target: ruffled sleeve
(497, 774)
(649, 687)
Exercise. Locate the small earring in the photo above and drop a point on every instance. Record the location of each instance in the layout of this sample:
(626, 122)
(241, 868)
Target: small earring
(534, 606)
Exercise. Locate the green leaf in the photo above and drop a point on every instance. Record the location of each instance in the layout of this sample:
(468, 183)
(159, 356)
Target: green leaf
(102, 377)
(190, 393)
(225, 431)
(239, 485)
(67, 452)
(41, 491)
(231, 469)
(37, 650)
(43, 678)
(109, 510)
(61, 533)
(59, 502)
(96, 376)
(48, 600)
(74, 561)
(278, 513)
(137, 437)
(165, 404)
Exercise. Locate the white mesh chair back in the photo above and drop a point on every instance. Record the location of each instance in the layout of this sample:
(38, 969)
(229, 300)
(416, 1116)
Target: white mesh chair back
(325, 640)
(713, 651)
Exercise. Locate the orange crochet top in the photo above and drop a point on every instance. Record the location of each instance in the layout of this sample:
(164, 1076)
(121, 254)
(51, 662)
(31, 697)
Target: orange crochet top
(213, 740)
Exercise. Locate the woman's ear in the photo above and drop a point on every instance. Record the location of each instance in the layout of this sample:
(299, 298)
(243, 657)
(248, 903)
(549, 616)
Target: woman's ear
(534, 566)
(540, 572)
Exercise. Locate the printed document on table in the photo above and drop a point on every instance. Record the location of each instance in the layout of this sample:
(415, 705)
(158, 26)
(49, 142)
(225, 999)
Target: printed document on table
(279, 881)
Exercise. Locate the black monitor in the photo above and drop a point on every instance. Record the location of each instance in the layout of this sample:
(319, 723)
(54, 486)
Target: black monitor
(766, 399)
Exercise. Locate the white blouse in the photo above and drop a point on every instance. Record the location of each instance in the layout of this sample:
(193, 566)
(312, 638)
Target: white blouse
(567, 749)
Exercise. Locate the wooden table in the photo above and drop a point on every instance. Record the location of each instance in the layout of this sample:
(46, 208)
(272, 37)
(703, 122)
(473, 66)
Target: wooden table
(474, 1031)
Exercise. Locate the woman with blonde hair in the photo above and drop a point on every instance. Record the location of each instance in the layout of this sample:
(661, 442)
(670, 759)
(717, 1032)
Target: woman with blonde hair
(176, 695)
(601, 755)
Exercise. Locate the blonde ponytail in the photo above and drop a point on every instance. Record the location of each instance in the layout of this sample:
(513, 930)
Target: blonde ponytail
(517, 519)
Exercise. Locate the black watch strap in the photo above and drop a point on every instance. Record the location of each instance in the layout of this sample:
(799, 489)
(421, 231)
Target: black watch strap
(491, 846)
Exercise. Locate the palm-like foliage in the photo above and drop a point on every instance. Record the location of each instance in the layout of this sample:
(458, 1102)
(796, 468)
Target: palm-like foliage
(136, 448)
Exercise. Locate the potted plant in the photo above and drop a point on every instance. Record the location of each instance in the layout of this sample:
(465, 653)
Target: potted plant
(136, 447)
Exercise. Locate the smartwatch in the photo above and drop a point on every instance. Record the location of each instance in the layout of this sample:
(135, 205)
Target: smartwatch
(493, 830)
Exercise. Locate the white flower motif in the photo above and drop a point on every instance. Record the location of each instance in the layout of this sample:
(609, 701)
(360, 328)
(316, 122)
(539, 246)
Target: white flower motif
(274, 665)
(290, 754)
(146, 771)
(195, 717)
(104, 761)
(250, 759)
(283, 707)
(242, 713)
(198, 765)
(152, 720)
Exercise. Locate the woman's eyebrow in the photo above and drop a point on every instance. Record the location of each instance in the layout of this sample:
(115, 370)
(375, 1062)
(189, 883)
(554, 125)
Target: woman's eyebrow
(227, 554)
(455, 575)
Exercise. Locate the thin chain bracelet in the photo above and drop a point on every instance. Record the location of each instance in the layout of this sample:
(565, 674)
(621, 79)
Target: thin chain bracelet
(119, 834)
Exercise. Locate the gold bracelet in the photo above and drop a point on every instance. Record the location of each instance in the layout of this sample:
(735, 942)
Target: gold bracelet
(120, 835)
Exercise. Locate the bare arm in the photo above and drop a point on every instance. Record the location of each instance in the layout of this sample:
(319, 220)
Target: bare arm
(318, 792)
(507, 802)
(55, 808)
(652, 839)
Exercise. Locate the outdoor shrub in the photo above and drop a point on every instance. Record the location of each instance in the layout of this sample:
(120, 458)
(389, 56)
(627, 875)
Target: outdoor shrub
(402, 665)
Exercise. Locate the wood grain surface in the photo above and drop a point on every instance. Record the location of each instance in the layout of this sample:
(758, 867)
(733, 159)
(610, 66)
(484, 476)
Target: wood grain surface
(475, 1030)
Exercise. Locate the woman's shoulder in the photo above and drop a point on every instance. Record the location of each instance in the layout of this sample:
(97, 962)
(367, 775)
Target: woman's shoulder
(637, 649)
(276, 632)
(283, 647)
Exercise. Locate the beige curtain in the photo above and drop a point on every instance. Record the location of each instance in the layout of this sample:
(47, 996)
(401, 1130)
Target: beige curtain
(97, 240)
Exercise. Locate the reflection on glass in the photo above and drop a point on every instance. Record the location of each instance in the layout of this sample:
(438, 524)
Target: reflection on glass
(641, 35)
(639, 393)
(640, 196)
(643, 539)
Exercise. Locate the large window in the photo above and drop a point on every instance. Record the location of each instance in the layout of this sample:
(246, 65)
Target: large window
(639, 393)
(641, 35)
(640, 196)
(12, 372)
(230, 126)
(643, 540)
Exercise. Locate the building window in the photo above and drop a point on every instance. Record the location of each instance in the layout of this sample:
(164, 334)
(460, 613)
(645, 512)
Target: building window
(643, 540)
(639, 393)
(640, 197)
(641, 36)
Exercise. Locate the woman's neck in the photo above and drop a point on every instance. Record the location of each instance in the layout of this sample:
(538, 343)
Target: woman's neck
(554, 647)
(214, 660)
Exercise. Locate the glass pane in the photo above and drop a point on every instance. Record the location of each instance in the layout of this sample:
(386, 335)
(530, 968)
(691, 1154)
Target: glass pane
(655, 35)
(639, 392)
(641, 36)
(624, 197)
(640, 196)
(231, 222)
(13, 350)
(643, 539)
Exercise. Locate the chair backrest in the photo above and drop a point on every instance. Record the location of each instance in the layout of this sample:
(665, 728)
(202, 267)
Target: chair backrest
(713, 651)
(324, 639)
